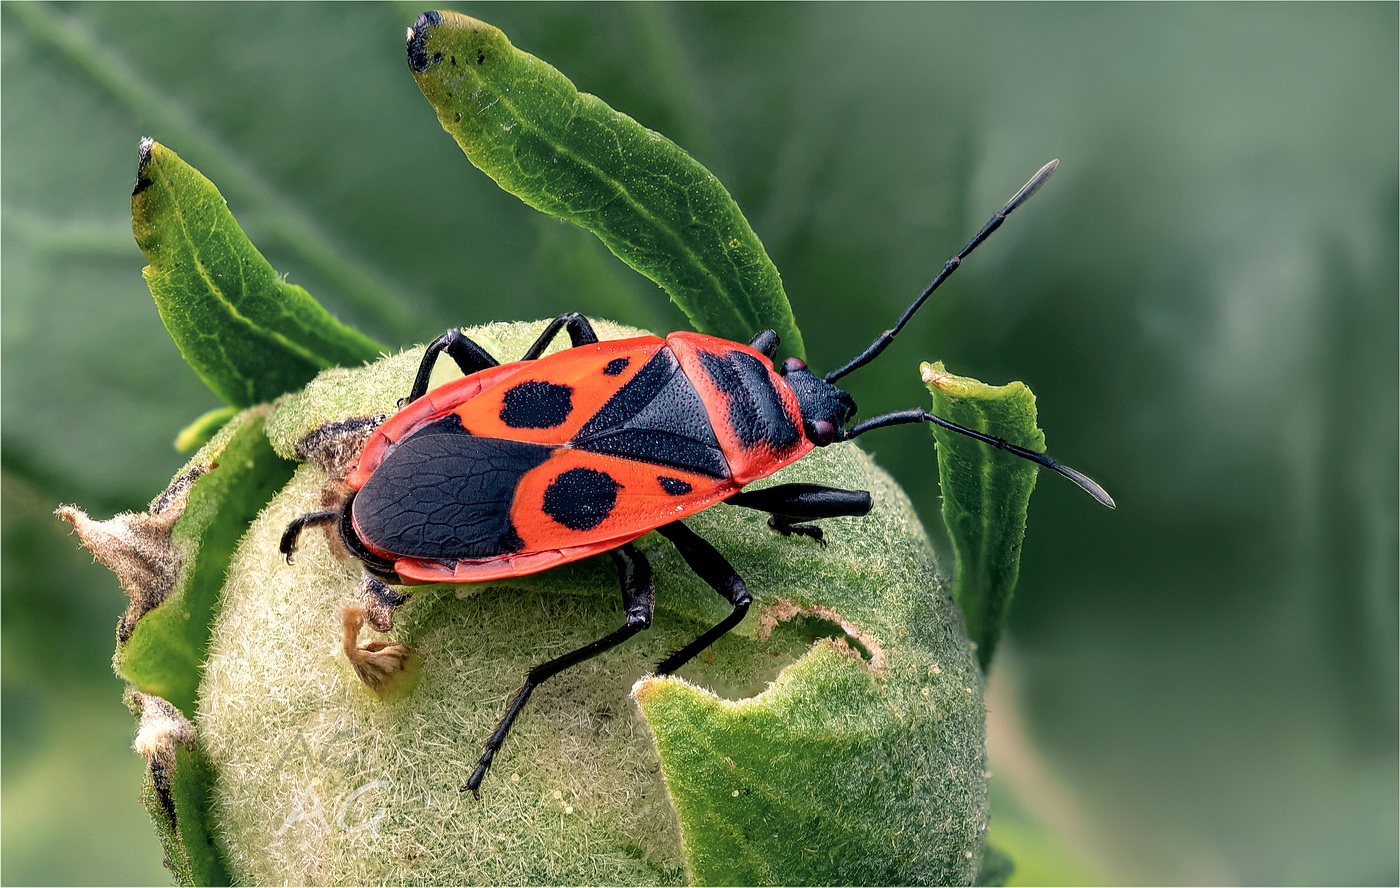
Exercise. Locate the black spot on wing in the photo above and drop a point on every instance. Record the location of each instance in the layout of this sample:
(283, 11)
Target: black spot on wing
(674, 486)
(657, 417)
(581, 499)
(755, 409)
(537, 405)
(616, 366)
(445, 494)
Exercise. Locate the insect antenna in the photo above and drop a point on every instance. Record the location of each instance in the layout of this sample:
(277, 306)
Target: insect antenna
(884, 339)
(1087, 484)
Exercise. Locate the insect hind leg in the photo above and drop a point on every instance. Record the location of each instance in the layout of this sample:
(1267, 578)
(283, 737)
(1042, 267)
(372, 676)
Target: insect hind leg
(638, 602)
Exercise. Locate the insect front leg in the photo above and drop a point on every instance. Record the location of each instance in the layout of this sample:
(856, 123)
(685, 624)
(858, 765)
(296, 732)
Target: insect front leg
(715, 569)
(292, 534)
(638, 603)
(469, 356)
(580, 333)
(790, 503)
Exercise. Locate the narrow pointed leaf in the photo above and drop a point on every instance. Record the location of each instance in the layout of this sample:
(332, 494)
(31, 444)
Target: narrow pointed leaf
(985, 494)
(204, 427)
(250, 335)
(568, 154)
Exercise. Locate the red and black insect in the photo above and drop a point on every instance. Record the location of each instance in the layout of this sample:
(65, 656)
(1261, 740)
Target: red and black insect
(518, 467)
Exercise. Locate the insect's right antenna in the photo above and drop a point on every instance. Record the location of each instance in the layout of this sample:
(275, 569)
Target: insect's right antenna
(873, 350)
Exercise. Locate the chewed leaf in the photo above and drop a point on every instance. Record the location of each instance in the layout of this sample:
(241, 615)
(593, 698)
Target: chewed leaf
(833, 776)
(985, 494)
(250, 335)
(568, 154)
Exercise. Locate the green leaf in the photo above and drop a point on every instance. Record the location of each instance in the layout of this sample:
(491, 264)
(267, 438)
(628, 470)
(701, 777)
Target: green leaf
(997, 866)
(985, 494)
(568, 154)
(248, 334)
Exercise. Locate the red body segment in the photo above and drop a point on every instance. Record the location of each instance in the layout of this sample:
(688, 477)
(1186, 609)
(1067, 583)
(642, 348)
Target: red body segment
(600, 444)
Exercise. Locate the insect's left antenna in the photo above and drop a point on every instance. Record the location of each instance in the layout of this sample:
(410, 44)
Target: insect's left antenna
(900, 417)
(873, 350)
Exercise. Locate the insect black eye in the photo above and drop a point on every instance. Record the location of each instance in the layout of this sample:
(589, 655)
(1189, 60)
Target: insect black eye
(823, 433)
(792, 364)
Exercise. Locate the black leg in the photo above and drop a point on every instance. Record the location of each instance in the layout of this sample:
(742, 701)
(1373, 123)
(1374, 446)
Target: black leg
(765, 342)
(468, 355)
(580, 333)
(790, 503)
(715, 569)
(288, 546)
(638, 600)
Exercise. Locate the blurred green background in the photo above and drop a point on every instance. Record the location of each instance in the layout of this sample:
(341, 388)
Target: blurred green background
(1198, 688)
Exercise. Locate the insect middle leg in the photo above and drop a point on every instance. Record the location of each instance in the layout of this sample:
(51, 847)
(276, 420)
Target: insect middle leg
(715, 569)
(790, 503)
(638, 601)
(580, 333)
(470, 357)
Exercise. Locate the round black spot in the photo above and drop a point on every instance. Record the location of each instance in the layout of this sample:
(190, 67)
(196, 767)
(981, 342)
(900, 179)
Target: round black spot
(616, 366)
(537, 405)
(674, 486)
(581, 499)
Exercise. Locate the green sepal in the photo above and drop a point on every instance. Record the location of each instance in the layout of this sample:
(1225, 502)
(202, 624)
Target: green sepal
(178, 792)
(985, 494)
(223, 486)
(832, 776)
(248, 334)
(568, 154)
(203, 428)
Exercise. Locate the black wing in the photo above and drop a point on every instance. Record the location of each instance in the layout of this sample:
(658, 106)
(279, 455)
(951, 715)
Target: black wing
(444, 494)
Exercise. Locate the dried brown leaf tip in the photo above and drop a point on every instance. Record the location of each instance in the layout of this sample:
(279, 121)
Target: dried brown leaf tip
(160, 729)
(382, 665)
(137, 547)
